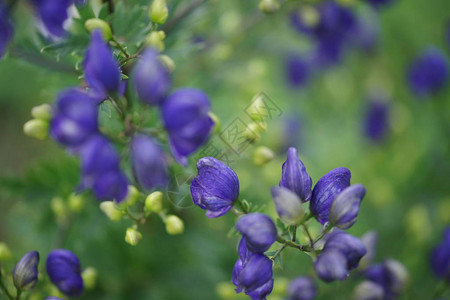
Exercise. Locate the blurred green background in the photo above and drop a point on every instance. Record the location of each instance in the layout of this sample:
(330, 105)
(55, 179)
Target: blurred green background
(407, 175)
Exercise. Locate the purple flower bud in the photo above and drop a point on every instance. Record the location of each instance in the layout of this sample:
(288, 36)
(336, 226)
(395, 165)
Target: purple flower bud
(391, 275)
(102, 71)
(302, 288)
(151, 78)
(369, 239)
(53, 14)
(254, 276)
(25, 273)
(325, 190)
(149, 165)
(297, 71)
(377, 120)
(331, 265)
(6, 29)
(215, 188)
(186, 119)
(428, 72)
(75, 118)
(368, 290)
(288, 205)
(440, 257)
(351, 247)
(259, 231)
(64, 270)
(294, 176)
(243, 251)
(52, 298)
(345, 207)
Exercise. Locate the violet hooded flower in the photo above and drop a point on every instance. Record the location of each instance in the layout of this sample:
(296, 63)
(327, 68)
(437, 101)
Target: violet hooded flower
(254, 276)
(331, 265)
(302, 288)
(391, 275)
(6, 29)
(351, 247)
(151, 78)
(25, 273)
(345, 207)
(215, 188)
(64, 270)
(377, 120)
(294, 176)
(259, 231)
(53, 14)
(186, 119)
(325, 190)
(440, 257)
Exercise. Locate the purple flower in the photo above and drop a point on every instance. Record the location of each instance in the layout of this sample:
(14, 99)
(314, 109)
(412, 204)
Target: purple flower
(259, 231)
(64, 270)
(102, 71)
(391, 275)
(428, 73)
(52, 298)
(186, 119)
(297, 71)
(331, 265)
(6, 29)
(368, 290)
(367, 32)
(75, 118)
(369, 239)
(345, 207)
(288, 205)
(377, 120)
(53, 14)
(325, 190)
(215, 188)
(351, 247)
(440, 257)
(100, 170)
(302, 288)
(254, 276)
(25, 273)
(294, 176)
(151, 78)
(149, 165)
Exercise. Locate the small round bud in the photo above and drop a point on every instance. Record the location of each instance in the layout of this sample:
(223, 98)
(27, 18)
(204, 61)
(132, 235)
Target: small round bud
(310, 16)
(159, 11)
(216, 120)
(111, 211)
(269, 6)
(132, 236)
(174, 225)
(42, 112)
(262, 156)
(167, 62)
(257, 109)
(25, 274)
(132, 196)
(155, 39)
(153, 202)
(89, 276)
(59, 208)
(5, 253)
(254, 130)
(36, 128)
(93, 24)
(76, 203)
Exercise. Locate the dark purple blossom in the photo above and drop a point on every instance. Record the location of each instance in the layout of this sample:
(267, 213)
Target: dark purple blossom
(259, 231)
(297, 71)
(6, 29)
(331, 265)
(302, 288)
(377, 120)
(325, 190)
(345, 207)
(428, 73)
(440, 257)
(391, 275)
(186, 119)
(25, 273)
(64, 270)
(254, 276)
(151, 78)
(351, 247)
(215, 188)
(74, 118)
(294, 176)
(53, 14)
(102, 71)
(148, 162)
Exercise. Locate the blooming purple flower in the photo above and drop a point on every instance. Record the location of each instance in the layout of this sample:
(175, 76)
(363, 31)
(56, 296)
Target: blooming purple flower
(149, 165)
(25, 273)
(377, 120)
(302, 288)
(64, 270)
(297, 71)
(288, 205)
(74, 118)
(254, 276)
(294, 176)
(102, 71)
(53, 14)
(391, 275)
(6, 29)
(259, 231)
(345, 207)
(186, 119)
(440, 257)
(428, 73)
(351, 247)
(331, 265)
(151, 78)
(215, 188)
(325, 190)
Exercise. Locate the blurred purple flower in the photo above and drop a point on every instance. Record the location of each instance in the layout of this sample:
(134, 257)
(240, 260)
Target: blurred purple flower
(391, 275)
(52, 298)
(53, 14)
(379, 3)
(368, 290)
(345, 207)
(254, 276)
(25, 273)
(369, 239)
(331, 265)
(259, 231)
(6, 29)
(215, 188)
(297, 71)
(351, 247)
(295, 177)
(440, 257)
(64, 270)
(377, 120)
(302, 288)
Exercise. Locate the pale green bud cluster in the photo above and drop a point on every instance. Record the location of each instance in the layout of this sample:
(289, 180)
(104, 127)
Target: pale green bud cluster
(111, 210)
(99, 24)
(153, 202)
(174, 225)
(155, 39)
(89, 276)
(132, 236)
(159, 11)
(38, 127)
(269, 6)
(262, 155)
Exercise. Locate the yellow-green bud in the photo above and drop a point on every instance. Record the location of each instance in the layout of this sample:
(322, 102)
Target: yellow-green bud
(216, 120)
(257, 108)
(76, 202)
(93, 24)
(159, 11)
(262, 155)
(89, 276)
(310, 16)
(254, 130)
(36, 128)
(155, 39)
(5, 253)
(132, 236)
(167, 62)
(174, 225)
(111, 211)
(153, 202)
(269, 6)
(132, 196)
(42, 112)
(59, 208)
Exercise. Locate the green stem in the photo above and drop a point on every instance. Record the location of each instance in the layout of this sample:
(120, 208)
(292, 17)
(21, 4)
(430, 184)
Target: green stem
(277, 253)
(242, 206)
(293, 245)
(294, 233)
(311, 241)
(121, 48)
(322, 234)
(19, 293)
(5, 290)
